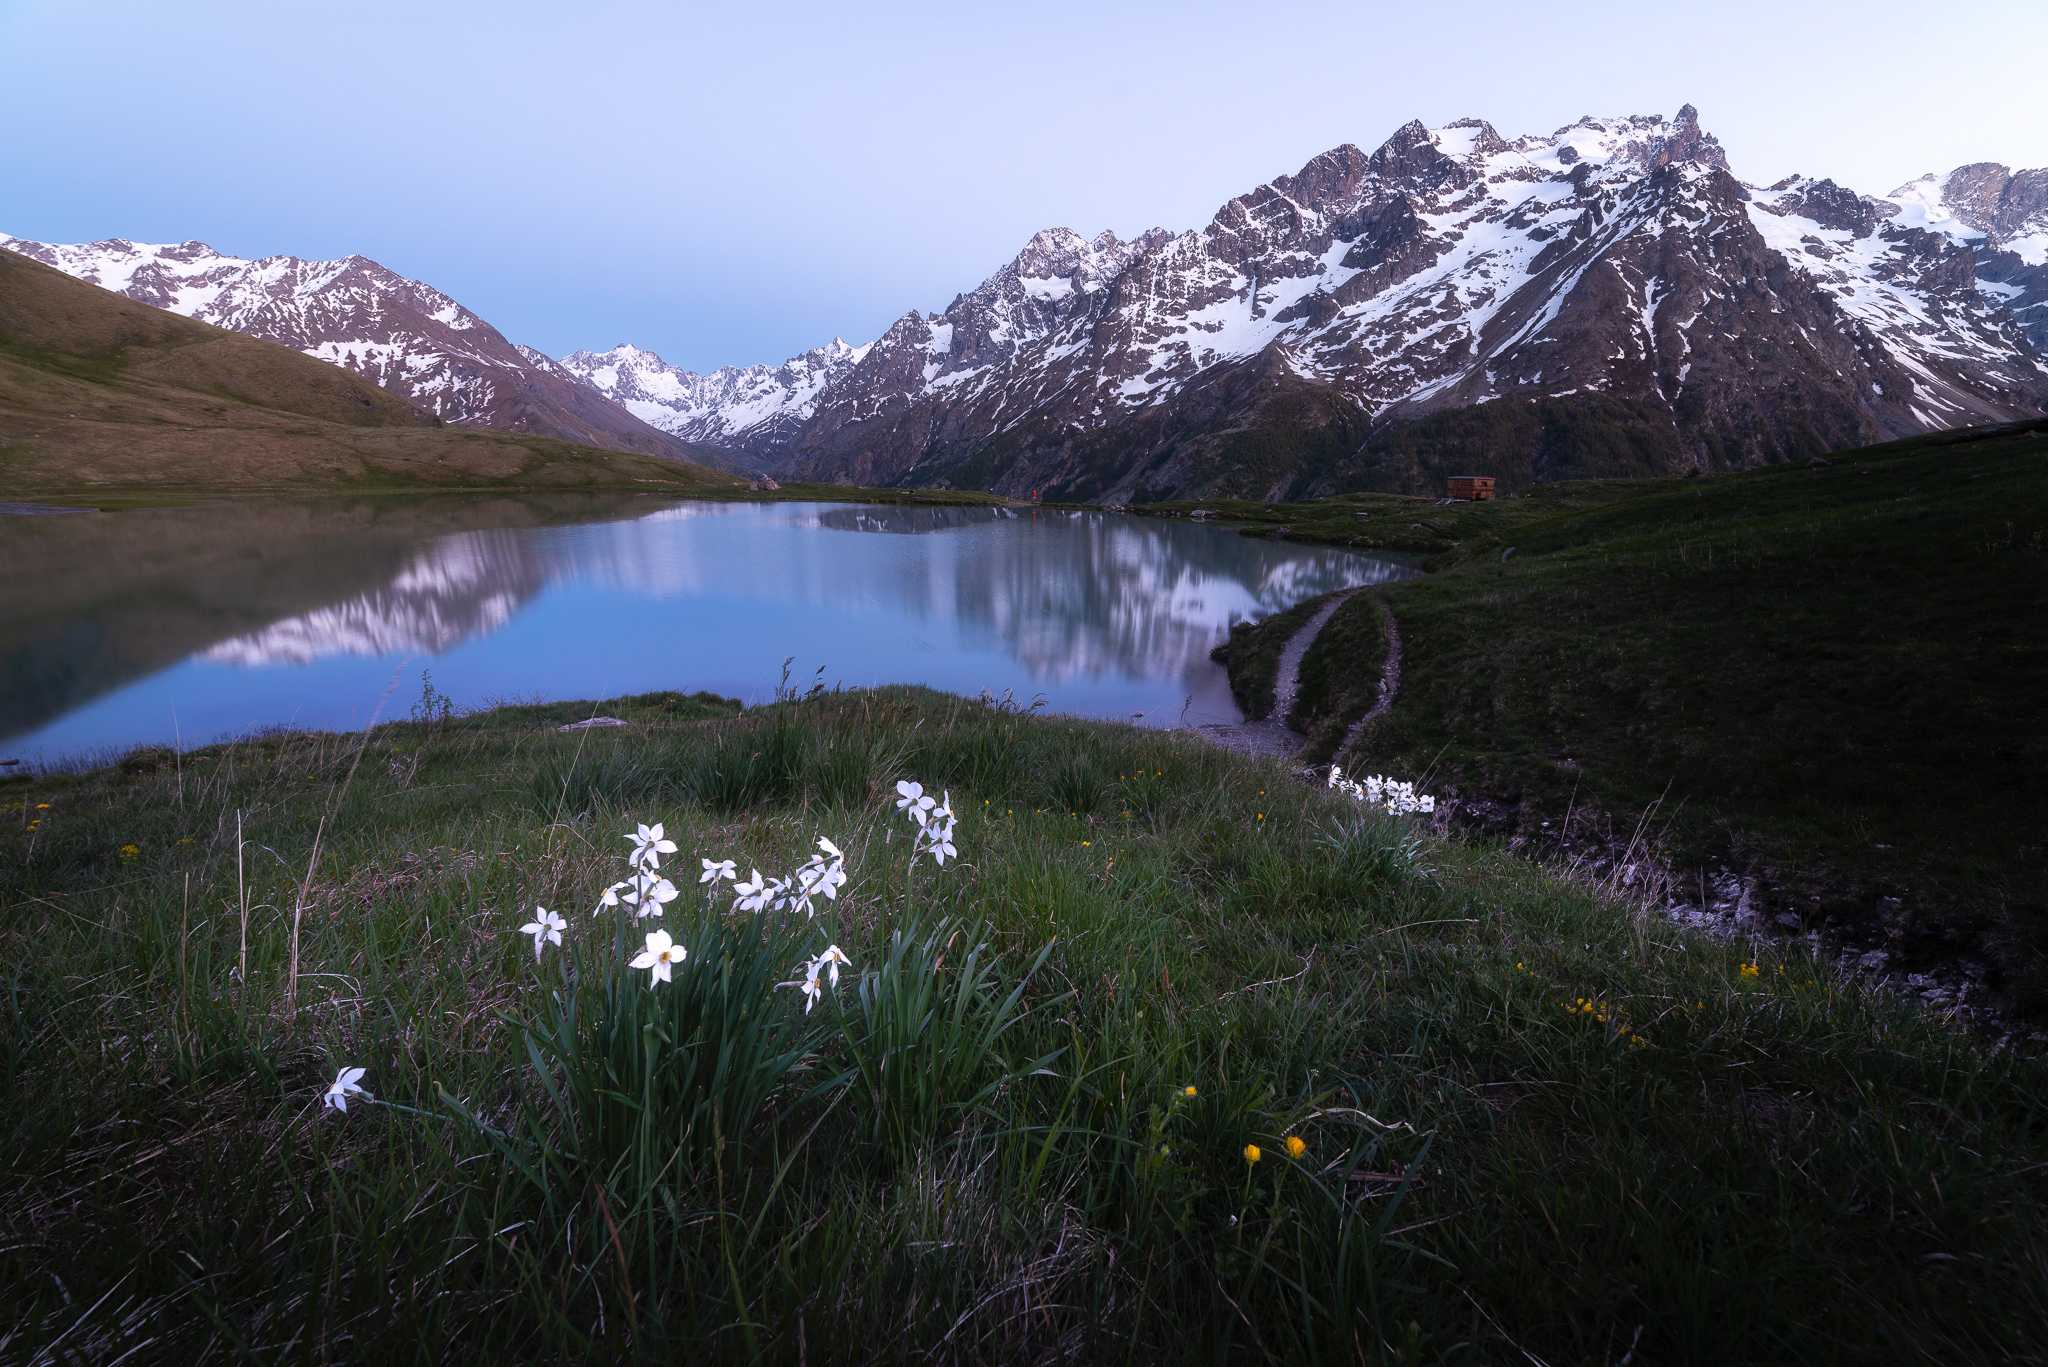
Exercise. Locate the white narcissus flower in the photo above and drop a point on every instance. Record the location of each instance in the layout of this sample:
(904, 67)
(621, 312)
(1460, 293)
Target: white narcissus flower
(809, 986)
(545, 926)
(661, 955)
(831, 879)
(940, 846)
(649, 844)
(913, 800)
(610, 897)
(714, 871)
(649, 892)
(750, 894)
(819, 874)
(832, 958)
(1391, 795)
(347, 1082)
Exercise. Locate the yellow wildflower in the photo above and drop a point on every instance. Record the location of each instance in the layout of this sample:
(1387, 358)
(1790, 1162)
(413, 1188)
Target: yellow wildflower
(128, 852)
(1251, 1153)
(1295, 1146)
(1189, 1092)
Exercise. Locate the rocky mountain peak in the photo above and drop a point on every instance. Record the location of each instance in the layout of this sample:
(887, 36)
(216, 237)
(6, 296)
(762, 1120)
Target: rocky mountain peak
(1470, 138)
(1061, 254)
(1411, 155)
(1828, 204)
(1606, 299)
(1996, 201)
(1685, 142)
(1646, 142)
(1328, 182)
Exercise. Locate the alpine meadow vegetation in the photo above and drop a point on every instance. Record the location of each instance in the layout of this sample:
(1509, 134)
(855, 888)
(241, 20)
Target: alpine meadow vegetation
(889, 1026)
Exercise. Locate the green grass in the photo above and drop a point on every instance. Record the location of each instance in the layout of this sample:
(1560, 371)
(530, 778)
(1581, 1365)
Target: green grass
(1830, 680)
(1340, 671)
(1534, 1120)
(1395, 522)
(1340, 674)
(1252, 654)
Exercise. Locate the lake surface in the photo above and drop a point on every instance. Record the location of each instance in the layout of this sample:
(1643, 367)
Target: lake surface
(189, 624)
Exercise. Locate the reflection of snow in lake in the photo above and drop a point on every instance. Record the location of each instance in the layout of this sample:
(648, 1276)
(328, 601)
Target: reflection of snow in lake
(1066, 594)
(463, 586)
(1104, 614)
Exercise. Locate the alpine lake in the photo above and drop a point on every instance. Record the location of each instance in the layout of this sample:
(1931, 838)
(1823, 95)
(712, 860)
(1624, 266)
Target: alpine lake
(185, 625)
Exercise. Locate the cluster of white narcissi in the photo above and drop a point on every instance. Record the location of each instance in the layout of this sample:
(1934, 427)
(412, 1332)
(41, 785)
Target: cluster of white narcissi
(934, 820)
(823, 874)
(1396, 797)
(646, 891)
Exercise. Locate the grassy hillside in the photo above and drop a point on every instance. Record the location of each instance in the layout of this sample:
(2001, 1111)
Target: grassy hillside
(1178, 1061)
(100, 394)
(1524, 442)
(1835, 678)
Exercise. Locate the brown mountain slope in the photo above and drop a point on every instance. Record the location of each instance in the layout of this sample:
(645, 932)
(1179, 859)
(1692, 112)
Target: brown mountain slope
(402, 334)
(99, 392)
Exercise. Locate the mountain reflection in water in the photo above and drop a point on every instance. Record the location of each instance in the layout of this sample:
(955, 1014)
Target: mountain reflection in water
(1105, 614)
(465, 586)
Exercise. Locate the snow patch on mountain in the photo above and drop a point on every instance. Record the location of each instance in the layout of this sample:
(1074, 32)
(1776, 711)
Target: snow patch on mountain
(1441, 269)
(2002, 216)
(399, 333)
(750, 409)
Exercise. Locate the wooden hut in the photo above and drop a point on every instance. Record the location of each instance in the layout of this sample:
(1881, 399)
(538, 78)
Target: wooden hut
(1471, 488)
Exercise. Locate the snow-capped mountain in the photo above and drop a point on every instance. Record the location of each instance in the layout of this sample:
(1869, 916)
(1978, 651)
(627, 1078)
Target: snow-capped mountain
(1608, 299)
(2002, 216)
(408, 337)
(760, 410)
(751, 412)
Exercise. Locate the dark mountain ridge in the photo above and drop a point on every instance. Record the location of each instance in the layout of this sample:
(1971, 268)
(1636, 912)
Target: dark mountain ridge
(1609, 299)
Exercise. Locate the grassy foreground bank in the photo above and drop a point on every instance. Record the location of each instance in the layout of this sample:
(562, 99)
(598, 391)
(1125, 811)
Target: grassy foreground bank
(1830, 681)
(1531, 1121)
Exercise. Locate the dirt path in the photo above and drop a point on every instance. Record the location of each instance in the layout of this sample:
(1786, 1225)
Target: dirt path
(1273, 736)
(1390, 679)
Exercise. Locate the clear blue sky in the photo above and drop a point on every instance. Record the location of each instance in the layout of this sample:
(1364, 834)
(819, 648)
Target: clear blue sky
(727, 183)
